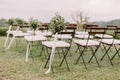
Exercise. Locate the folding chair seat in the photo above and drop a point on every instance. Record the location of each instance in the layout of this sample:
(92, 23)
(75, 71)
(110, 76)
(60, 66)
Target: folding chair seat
(109, 44)
(105, 36)
(88, 43)
(81, 33)
(83, 36)
(63, 36)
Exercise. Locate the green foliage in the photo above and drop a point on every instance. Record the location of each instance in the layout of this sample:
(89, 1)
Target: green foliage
(3, 22)
(3, 31)
(57, 24)
(19, 22)
(11, 21)
(34, 23)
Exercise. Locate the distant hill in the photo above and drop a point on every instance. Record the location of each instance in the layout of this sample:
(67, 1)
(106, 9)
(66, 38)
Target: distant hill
(112, 22)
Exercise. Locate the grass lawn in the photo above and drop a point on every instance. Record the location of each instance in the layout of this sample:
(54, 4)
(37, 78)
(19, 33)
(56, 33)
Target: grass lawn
(14, 67)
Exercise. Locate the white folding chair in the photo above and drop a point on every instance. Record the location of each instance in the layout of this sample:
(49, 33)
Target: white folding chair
(30, 40)
(16, 34)
(56, 45)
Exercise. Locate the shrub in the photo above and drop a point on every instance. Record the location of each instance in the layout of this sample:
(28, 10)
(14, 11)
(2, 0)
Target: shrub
(3, 31)
(57, 24)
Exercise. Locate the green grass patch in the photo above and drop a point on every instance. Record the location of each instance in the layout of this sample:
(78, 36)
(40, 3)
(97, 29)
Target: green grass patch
(14, 67)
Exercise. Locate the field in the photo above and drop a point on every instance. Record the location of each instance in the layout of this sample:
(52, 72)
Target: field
(14, 67)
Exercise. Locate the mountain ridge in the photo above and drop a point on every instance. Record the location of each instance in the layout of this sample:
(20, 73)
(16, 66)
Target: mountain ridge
(115, 22)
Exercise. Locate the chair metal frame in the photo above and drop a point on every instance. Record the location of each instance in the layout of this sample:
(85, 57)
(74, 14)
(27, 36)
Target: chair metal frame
(107, 46)
(64, 52)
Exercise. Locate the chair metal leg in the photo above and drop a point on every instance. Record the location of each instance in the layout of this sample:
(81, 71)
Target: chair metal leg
(77, 49)
(58, 53)
(47, 58)
(6, 40)
(109, 59)
(41, 51)
(105, 53)
(31, 53)
(94, 55)
(10, 43)
(84, 62)
(27, 51)
(81, 53)
(64, 55)
(64, 58)
(117, 52)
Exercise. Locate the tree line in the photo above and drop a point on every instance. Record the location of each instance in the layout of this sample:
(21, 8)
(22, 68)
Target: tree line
(4, 22)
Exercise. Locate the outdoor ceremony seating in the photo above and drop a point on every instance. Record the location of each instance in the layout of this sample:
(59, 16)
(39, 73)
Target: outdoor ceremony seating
(63, 43)
(16, 34)
(109, 43)
(89, 43)
(117, 32)
(30, 40)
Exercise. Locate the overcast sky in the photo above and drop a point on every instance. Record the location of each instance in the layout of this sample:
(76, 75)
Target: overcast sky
(45, 9)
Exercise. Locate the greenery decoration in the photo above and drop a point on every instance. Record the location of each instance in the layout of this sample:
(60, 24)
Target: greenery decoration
(34, 23)
(11, 21)
(57, 24)
(19, 22)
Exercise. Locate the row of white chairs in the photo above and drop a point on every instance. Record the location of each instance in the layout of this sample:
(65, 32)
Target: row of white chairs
(84, 39)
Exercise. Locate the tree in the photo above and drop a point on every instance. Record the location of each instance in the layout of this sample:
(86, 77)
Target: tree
(19, 22)
(11, 21)
(3, 22)
(34, 24)
(57, 23)
(80, 19)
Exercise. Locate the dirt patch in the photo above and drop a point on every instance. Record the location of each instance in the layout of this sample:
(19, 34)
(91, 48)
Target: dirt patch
(1, 73)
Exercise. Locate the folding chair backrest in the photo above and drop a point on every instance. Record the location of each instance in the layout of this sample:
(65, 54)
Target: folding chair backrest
(44, 27)
(24, 28)
(111, 27)
(96, 30)
(70, 29)
(117, 32)
(85, 26)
